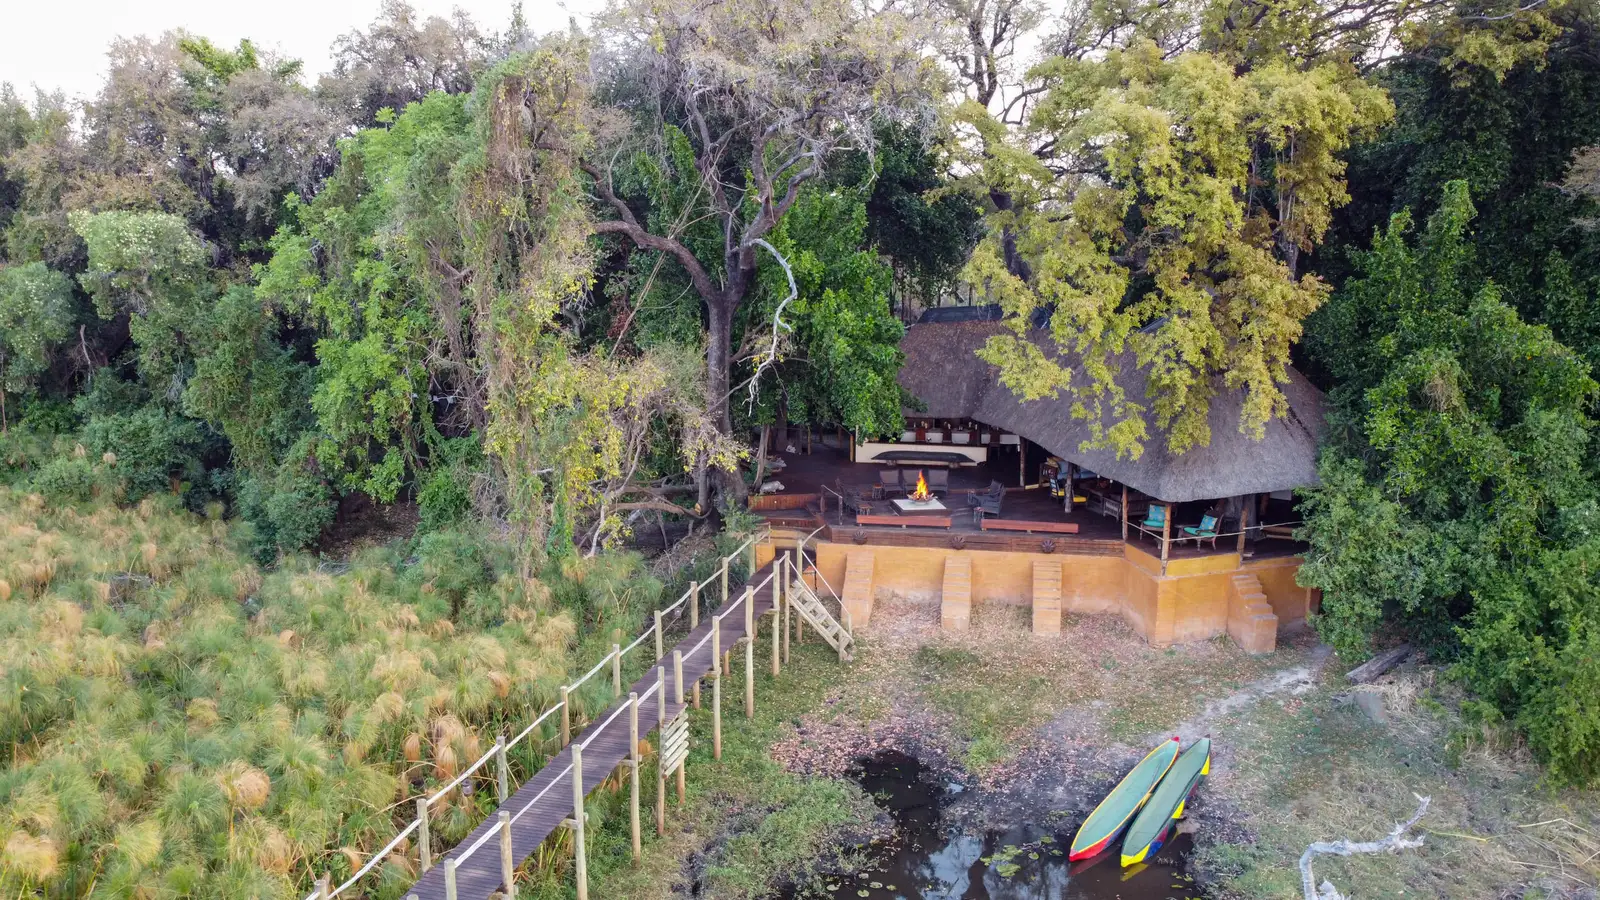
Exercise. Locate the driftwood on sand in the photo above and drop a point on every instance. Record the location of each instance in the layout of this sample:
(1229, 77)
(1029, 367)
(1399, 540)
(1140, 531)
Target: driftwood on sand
(1379, 664)
(1395, 842)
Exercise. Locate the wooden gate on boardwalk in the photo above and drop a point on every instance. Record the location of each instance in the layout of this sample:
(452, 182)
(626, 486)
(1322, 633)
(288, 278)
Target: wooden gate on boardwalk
(485, 861)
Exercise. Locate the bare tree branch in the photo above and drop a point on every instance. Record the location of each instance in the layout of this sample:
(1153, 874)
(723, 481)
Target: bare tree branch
(1396, 841)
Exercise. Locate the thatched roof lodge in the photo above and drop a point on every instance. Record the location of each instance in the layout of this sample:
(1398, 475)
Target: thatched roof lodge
(943, 371)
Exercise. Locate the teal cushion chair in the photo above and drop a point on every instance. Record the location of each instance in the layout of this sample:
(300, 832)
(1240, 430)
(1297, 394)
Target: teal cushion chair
(1156, 518)
(1207, 529)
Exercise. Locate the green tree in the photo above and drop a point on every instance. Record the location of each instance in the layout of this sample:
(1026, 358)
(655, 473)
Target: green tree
(36, 313)
(1458, 464)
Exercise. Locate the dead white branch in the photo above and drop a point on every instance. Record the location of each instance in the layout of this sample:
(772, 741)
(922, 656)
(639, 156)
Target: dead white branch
(1395, 842)
(779, 326)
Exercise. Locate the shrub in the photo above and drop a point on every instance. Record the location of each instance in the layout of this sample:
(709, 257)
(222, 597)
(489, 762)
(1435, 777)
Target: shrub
(152, 446)
(290, 508)
(66, 479)
(444, 493)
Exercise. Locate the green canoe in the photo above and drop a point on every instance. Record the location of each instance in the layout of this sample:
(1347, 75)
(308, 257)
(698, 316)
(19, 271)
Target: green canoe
(1113, 813)
(1154, 822)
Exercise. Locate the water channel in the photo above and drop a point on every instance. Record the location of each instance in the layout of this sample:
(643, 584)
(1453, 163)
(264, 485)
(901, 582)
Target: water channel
(930, 858)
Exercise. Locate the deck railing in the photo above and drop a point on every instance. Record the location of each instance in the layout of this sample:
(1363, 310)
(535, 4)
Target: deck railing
(499, 752)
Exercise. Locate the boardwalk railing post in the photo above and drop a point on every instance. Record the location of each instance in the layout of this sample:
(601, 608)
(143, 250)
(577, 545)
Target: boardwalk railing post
(677, 697)
(694, 605)
(323, 887)
(581, 864)
(566, 716)
(450, 880)
(788, 597)
(661, 728)
(502, 768)
(716, 687)
(749, 612)
(508, 868)
(750, 676)
(724, 581)
(616, 670)
(424, 846)
(777, 640)
(633, 768)
(659, 651)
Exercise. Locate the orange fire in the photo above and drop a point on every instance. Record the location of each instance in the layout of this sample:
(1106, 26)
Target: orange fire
(921, 493)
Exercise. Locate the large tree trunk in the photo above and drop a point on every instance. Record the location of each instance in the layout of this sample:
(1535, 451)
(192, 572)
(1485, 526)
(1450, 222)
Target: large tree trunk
(729, 485)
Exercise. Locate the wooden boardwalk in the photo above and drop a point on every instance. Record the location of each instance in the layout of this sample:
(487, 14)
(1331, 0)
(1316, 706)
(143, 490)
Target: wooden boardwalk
(538, 807)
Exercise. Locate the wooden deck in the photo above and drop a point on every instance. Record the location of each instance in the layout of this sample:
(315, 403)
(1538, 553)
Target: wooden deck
(538, 807)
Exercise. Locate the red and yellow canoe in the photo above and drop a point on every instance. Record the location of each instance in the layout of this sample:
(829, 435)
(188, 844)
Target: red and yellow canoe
(1112, 815)
(1155, 821)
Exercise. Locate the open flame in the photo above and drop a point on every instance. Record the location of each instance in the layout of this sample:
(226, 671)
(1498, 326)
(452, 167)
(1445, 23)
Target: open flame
(921, 493)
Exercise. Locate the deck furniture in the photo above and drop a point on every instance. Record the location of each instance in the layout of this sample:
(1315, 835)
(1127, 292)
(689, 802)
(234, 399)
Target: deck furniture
(1155, 522)
(1206, 530)
(889, 483)
(987, 502)
(938, 480)
(1025, 525)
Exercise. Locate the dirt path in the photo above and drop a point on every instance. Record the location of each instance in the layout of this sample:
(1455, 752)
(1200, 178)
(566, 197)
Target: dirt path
(1293, 681)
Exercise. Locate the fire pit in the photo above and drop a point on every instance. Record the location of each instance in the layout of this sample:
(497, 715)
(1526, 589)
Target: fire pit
(920, 500)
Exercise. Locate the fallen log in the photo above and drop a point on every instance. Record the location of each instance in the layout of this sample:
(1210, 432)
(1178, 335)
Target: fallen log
(1376, 666)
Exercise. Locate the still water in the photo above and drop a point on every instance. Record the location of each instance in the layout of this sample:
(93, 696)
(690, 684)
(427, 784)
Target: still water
(930, 859)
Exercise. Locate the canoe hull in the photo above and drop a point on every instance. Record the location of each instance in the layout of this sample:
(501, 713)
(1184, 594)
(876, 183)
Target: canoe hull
(1154, 824)
(1117, 809)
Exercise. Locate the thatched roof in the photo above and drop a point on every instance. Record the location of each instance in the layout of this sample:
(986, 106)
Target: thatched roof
(942, 371)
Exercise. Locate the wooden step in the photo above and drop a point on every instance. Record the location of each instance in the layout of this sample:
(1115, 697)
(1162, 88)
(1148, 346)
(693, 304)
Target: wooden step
(1047, 597)
(955, 604)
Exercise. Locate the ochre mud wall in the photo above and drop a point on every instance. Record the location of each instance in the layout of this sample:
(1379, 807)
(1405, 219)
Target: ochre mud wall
(1189, 603)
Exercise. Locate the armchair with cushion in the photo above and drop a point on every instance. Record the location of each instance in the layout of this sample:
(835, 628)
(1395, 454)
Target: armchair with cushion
(987, 502)
(938, 481)
(1206, 530)
(889, 482)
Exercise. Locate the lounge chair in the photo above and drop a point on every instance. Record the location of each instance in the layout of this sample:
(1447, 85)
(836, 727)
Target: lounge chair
(1155, 519)
(987, 503)
(889, 482)
(938, 481)
(1206, 530)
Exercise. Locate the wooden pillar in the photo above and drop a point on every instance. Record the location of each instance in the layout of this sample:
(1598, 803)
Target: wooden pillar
(777, 642)
(579, 852)
(660, 647)
(750, 676)
(323, 888)
(724, 581)
(661, 728)
(566, 715)
(749, 612)
(1166, 536)
(716, 686)
(424, 845)
(502, 769)
(616, 670)
(633, 768)
(450, 880)
(508, 859)
(694, 605)
(1022, 461)
(1124, 512)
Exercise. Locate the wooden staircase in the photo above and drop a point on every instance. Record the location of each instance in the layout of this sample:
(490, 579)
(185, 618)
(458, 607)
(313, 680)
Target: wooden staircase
(955, 604)
(1251, 622)
(803, 600)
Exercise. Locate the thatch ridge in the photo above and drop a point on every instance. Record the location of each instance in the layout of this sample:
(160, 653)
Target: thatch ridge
(943, 371)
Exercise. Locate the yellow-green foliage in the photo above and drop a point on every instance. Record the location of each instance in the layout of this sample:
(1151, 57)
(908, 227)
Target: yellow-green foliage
(176, 723)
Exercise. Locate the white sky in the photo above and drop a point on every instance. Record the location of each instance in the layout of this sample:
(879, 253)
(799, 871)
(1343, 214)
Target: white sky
(61, 44)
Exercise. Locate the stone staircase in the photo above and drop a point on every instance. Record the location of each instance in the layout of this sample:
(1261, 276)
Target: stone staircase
(1047, 597)
(857, 596)
(955, 607)
(1251, 622)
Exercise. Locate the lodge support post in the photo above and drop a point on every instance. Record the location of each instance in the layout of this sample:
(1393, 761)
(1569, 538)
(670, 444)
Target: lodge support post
(1166, 536)
(1245, 505)
(633, 770)
(716, 686)
(661, 728)
(1124, 512)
